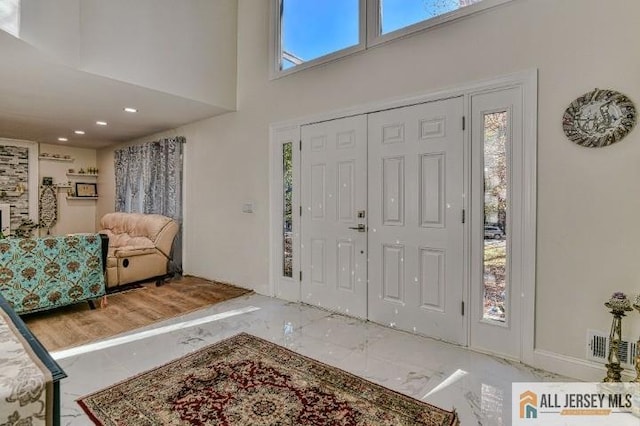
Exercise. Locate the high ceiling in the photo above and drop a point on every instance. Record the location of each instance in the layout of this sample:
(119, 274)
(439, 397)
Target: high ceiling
(42, 100)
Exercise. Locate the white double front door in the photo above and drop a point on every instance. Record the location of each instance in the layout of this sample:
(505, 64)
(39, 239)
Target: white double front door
(382, 217)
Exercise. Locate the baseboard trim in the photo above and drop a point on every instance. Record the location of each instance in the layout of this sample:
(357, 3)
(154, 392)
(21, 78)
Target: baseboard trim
(573, 367)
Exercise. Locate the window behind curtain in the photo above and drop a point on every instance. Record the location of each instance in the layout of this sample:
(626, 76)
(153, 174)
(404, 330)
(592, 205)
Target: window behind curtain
(149, 180)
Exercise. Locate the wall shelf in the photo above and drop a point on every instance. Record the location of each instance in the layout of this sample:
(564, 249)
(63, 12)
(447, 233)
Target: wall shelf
(82, 175)
(11, 194)
(56, 158)
(81, 198)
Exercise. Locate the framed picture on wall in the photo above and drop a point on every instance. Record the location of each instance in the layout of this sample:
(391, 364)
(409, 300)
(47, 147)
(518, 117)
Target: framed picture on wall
(86, 189)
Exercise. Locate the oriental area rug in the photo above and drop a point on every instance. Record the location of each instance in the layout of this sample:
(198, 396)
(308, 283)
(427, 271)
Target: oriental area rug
(245, 380)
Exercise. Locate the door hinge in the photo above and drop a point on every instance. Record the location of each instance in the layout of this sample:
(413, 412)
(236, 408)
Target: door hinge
(300, 275)
(300, 146)
(464, 215)
(464, 122)
(462, 308)
(300, 210)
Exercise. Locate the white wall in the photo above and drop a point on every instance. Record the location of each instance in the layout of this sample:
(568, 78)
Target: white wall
(588, 199)
(52, 26)
(73, 215)
(185, 48)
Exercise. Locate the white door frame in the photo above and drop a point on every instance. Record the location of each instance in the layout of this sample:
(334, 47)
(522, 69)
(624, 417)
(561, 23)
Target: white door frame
(528, 81)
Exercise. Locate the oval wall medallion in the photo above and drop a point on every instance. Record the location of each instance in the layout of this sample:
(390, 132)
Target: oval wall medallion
(599, 118)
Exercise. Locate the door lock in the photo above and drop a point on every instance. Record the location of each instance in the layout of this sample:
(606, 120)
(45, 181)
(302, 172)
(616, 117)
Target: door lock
(360, 228)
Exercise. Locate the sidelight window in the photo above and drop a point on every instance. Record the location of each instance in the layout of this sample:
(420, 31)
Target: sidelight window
(287, 207)
(495, 216)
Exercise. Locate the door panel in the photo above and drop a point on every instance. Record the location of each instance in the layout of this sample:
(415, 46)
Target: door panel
(334, 191)
(415, 227)
(431, 195)
(393, 191)
(393, 272)
(432, 278)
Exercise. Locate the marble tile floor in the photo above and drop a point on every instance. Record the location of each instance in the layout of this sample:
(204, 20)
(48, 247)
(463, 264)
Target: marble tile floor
(478, 386)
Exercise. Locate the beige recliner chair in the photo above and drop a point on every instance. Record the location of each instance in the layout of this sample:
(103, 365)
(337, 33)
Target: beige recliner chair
(139, 246)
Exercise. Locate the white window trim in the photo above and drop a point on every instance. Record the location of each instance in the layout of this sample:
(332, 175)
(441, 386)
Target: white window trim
(369, 32)
(286, 130)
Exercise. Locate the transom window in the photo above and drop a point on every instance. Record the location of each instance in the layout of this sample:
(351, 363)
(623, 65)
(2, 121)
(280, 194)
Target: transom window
(312, 29)
(398, 14)
(311, 32)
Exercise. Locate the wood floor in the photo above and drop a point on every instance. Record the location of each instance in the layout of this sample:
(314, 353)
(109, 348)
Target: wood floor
(77, 324)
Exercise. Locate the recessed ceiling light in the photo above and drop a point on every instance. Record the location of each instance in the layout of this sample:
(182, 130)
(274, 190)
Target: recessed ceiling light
(63, 139)
(129, 109)
(101, 123)
(79, 132)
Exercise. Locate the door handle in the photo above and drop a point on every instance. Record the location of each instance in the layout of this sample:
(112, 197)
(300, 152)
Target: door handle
(360, 228)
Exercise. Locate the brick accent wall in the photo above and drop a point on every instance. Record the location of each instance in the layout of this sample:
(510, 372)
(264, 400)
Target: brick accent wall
(14, 169)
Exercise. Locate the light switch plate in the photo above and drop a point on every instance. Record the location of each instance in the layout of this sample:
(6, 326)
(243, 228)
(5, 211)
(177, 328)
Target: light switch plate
(247, 208)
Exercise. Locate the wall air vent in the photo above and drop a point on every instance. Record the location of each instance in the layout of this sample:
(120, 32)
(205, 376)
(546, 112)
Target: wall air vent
(598, 349)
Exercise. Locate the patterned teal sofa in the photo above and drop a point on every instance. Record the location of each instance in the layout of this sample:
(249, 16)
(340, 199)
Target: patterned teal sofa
(47, 272)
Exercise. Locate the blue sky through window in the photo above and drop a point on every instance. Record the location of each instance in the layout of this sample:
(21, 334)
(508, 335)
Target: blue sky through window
(398, 14)
(315, 28)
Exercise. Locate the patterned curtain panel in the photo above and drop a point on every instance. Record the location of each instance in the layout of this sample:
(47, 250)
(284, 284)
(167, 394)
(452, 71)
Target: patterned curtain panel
(149, 180)
(121, 160)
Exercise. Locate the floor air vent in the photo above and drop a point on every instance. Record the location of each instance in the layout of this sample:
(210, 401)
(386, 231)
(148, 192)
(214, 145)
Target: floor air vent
(598, 349)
